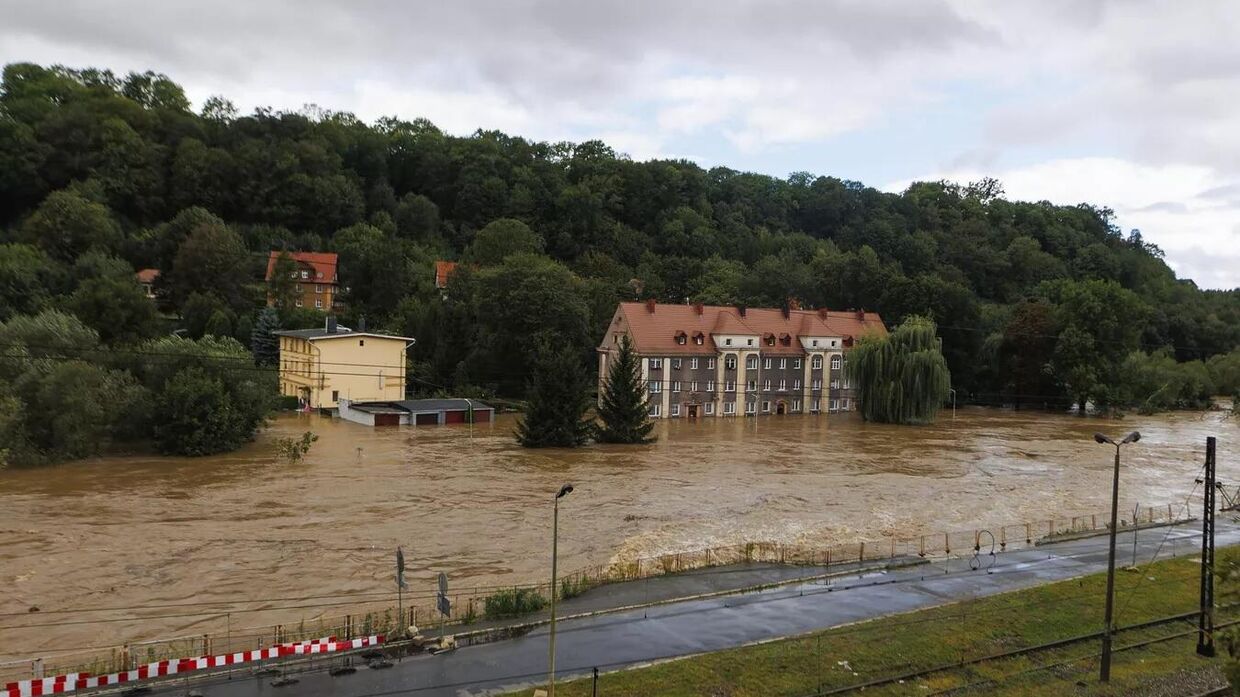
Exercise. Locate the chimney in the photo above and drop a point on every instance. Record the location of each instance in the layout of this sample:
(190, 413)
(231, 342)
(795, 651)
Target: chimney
(697, 308)
(822, 312)
(650, 306)
(786, 311)
(741, 310)
(330, 326)
(361, 324)
(794, 304)
(861, 315)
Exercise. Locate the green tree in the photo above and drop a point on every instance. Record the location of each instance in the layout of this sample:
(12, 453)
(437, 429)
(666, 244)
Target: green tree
(901, 378)
(417, 218)
(26, 279)
(117, 308)
(282, 286)
(625, 407)
(196, 416)
(67, 224)
(557, 399)
(197, 311)
(263, 341)
(212, 260)
(220, 324)
(501, 239)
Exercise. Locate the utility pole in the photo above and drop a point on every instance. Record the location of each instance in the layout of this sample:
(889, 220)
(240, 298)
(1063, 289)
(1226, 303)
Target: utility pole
(555, 542)
(1205, 625)
(1104, 673)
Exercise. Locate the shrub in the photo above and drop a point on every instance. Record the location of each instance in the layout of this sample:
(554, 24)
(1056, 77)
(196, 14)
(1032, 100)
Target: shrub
(513, 602)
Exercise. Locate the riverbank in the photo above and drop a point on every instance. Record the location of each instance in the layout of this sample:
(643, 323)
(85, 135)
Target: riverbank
(899, 655)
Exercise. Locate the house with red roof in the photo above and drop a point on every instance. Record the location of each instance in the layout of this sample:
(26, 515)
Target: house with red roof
(315, 273)
(709, 360)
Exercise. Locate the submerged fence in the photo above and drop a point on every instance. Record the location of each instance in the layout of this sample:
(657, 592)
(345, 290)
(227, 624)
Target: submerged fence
(480, 607)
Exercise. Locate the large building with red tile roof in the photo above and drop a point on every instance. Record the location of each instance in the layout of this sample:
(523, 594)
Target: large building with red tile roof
(709, 360)
(317, 283)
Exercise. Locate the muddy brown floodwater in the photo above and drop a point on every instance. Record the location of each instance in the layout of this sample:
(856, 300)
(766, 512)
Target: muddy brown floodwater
(135, 532)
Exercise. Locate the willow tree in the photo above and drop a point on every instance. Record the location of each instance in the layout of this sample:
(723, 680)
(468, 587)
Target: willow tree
(901, 378)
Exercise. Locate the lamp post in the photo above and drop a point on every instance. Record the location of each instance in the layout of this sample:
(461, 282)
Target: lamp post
(555, 541)
(1105, 671)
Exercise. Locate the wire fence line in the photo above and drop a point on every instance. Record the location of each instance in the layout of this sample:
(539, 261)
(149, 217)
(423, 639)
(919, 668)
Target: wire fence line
(488, 609)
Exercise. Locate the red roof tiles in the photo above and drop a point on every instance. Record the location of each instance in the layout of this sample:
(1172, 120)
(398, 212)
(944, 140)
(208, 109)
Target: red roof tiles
(656, 332)
(443, 270)
(321, 264)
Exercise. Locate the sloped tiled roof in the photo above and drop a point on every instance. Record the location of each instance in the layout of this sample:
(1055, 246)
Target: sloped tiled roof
(655, 332)
(147, 275)
(322, 263)
(443, 270)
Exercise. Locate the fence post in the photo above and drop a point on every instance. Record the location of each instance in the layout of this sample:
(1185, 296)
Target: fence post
(37, 668)
(947, 545)
(1028, 535)
(861, 554)
(921, 550)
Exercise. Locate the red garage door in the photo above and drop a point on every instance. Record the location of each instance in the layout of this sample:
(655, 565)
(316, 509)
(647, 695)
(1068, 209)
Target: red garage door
(426, 419)
(387, 419)
(454, 417)
(482, 416)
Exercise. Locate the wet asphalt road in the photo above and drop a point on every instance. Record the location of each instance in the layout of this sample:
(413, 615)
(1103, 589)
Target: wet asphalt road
(624, 639)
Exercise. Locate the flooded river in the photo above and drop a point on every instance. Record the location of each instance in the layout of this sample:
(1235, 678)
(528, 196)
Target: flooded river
(137, 532)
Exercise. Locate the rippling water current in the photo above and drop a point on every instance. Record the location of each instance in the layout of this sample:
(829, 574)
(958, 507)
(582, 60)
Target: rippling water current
(129, 532)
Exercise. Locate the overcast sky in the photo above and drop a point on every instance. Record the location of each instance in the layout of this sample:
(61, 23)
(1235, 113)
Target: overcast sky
(1126, 104)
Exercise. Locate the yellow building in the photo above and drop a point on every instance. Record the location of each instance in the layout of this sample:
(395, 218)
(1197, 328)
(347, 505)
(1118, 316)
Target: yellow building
(320, 366)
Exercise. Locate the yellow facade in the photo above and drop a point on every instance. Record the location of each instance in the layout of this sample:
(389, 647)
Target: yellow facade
(357, 366)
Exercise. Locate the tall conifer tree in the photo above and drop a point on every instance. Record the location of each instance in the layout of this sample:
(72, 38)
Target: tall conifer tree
(558, 398)
(625, 406)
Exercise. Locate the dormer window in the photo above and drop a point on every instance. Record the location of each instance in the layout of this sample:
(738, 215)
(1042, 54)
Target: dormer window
(785, 339)
(768, 339)
(682, 338)
(699, 338)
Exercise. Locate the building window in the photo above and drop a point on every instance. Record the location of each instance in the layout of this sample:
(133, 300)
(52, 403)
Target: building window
(833, 342)
(682, 340)
(699, 339)
(796, 405)
(817, 385)
(335, 395)
(318, 302)
(796, 363)
(751, 363)
(815, 342)
(796, 384)
(817, 363)
(318, 289)
(835, 362)
(655, 387)
(730, 363)
(710, 363)
(750, 408)
(710, 385)
(676, 386)
(305, 274)
(727, 342)
(835, 384)
(729, 407)
(729, 386)
(752, 386)
(298, 303)
(751, 342)
(766, 407)
(675, 410)
(654, 410)
(693, 363)
(766, 364)
(844, 404)
(676, 364)
(766, 385)
(656, 363)
(835, 405)
(361, 342)
(783, 385)
(783, 363)
(710, 408)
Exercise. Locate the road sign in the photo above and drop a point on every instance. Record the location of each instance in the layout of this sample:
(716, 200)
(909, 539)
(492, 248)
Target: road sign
(443, 583)
(445, 605)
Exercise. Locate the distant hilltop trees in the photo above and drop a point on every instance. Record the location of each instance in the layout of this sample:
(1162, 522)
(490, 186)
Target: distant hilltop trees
(102, 175)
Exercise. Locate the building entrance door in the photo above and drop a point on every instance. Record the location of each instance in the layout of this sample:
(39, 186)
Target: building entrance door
(781, 407)
(693, 411)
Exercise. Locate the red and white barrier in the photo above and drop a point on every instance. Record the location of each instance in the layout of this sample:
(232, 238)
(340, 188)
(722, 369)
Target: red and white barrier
(71, 682)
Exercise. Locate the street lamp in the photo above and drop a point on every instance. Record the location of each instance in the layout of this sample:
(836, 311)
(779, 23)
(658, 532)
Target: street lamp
(1105, 674)
(555, 541)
